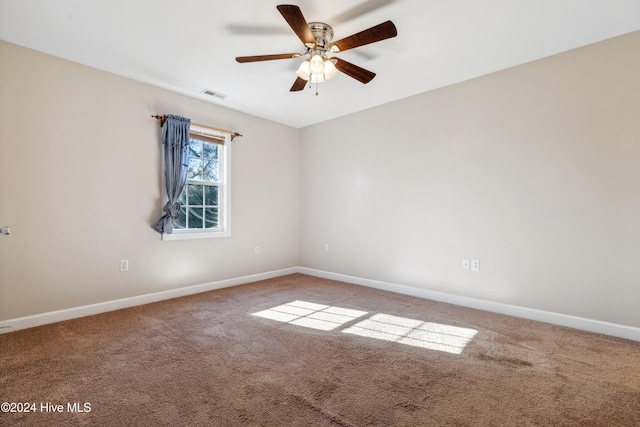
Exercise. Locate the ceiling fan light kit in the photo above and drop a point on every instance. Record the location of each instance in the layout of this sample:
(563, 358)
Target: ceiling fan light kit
(317, 66)
(317, 69)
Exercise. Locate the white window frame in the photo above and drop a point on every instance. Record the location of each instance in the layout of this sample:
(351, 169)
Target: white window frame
(224, 195)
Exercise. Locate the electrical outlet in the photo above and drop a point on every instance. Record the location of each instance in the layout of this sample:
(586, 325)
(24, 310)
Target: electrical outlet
(256, 250)
(326, 247)
(475, 264)
(465, 263)
(124, 265)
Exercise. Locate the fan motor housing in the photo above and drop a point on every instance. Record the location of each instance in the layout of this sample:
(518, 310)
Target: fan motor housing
(323, 33)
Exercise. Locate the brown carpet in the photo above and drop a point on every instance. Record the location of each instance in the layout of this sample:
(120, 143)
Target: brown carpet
(207, 360)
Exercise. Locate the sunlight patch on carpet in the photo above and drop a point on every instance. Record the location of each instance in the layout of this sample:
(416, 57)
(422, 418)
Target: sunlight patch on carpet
(311, 315)
(417, 333)
(433, 336)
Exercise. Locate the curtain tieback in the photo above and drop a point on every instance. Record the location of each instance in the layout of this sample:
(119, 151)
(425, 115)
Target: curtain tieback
(172, 209)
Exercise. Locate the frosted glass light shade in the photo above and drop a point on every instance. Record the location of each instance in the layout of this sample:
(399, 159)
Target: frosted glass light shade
(317, 78)
(317, 64)
(330, 70)
(303, 70)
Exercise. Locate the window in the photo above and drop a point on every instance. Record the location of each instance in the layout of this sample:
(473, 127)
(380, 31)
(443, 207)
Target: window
(204, 203)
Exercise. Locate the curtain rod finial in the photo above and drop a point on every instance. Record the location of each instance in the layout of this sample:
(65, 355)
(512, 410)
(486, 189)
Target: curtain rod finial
(161, 118)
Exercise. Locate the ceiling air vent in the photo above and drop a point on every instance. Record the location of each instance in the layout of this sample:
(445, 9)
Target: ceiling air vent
(213, 93)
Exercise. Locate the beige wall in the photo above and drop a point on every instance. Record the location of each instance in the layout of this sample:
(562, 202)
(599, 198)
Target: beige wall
(80, 186)
(534, 170)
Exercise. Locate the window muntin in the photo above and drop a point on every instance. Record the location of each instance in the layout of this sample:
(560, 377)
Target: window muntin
(199, 207)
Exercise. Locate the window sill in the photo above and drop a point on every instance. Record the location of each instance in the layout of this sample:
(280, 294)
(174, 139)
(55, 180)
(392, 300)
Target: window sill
(189, 235)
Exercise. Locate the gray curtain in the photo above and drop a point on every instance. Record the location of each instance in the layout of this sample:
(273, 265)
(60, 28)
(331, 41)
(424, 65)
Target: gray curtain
(175, 139)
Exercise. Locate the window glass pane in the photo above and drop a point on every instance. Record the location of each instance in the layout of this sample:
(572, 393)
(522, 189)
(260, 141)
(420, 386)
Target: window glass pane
(210, 151)
(210, 172)
(210, 195)
(211, 217)
(195, 195)
(181, 221)
(195, 169)
(195, 148)
(200, 201)
(195, 217)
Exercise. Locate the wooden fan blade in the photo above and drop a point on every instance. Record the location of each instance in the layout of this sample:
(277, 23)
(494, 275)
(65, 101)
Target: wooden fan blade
(358, 73)
(243, 59)
(383, 31)
(299, 84)
(293, 15)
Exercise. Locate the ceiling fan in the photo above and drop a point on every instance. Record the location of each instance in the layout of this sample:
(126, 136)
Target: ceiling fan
(316, 37)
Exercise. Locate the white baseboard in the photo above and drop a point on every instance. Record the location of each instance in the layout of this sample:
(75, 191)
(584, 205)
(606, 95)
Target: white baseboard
(581, 323)
(102, 307)
(584, 324)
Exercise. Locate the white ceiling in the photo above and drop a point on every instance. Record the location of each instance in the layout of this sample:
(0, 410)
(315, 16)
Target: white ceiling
(191, 45)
